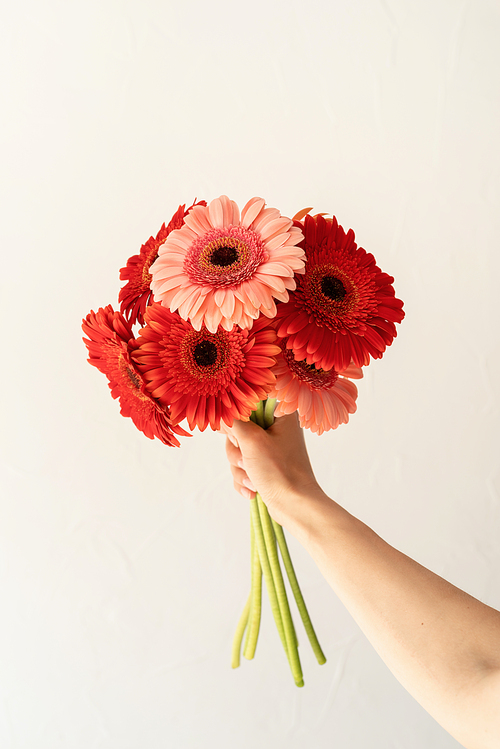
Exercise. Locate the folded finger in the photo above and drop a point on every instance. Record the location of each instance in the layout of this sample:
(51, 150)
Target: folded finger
(233, 452)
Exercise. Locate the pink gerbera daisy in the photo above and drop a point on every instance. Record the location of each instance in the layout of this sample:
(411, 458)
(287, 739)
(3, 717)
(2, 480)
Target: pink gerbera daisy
(202, 376)
(136, 294)
(323, 399)
(344, 308)
(110, 342)
(223, 269)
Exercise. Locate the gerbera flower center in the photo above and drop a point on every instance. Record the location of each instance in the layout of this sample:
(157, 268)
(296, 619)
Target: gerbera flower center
(134, 379)
(333, 288)
(204, 362)
(224, 256)
(318, 379)
(146, 275)
(205, 353)
(131, 378)
(331, 294)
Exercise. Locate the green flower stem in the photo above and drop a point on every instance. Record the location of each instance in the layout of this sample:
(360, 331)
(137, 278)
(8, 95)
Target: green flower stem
(282, 598)
(266, 570)
(264, 417)
(238, 635)
(294, 584)
(252, 552)
(256, 599)
(269, 406)
(265, 537)
(258, 414)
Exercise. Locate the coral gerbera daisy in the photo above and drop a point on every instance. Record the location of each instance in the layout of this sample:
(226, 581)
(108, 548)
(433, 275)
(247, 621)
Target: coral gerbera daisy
(344, 307)
(323, 399)
(223, 269)
(110, 342)
(202, 376)
(136, 294)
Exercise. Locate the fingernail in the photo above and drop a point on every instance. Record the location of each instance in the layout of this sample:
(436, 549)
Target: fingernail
(247, 493)
(240, 464)
(249, 485)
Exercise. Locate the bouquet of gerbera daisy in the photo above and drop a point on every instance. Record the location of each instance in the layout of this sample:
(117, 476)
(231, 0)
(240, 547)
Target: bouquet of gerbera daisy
(247, 315)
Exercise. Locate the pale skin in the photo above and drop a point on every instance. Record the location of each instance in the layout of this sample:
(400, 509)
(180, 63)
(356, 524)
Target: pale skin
(442, 644)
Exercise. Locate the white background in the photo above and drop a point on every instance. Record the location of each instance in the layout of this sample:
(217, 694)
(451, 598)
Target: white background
(124, 563)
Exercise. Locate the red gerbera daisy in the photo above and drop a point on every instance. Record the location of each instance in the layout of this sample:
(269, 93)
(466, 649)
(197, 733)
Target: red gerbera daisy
(344, 307)
(110, 342)
(205, 377)
(136, 294)
(323, 399)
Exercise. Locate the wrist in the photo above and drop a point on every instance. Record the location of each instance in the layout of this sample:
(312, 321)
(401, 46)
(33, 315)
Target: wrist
(307, 513)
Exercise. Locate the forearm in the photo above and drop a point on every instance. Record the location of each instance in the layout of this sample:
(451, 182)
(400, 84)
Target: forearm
(442, 644)
(439, 642)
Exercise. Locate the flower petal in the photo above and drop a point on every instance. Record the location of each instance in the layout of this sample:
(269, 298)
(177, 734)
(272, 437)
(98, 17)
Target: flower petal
(251, 211)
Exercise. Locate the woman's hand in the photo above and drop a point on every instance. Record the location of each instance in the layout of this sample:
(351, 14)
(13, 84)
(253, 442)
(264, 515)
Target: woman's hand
(273, 462)
(442, 644)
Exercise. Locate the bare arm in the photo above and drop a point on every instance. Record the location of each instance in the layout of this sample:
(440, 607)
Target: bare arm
(441, 644)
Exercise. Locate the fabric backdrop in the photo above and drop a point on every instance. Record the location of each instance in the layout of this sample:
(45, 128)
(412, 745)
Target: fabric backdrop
(124, 564)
